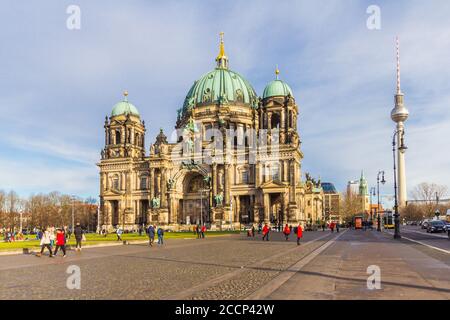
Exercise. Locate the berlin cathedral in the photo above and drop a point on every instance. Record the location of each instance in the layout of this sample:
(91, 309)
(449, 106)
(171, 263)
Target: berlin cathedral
(236, 160)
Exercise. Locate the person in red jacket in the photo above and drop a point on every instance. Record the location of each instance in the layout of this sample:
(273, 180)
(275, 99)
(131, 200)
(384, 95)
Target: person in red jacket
(60, 242)
(332, 226)
(265, 232)
(299, 233)
(203, 230)
(287, 232)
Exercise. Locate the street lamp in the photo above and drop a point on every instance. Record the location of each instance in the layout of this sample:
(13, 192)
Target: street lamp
(372, 193)
(73, 212)
(381, 172)
(402, 147)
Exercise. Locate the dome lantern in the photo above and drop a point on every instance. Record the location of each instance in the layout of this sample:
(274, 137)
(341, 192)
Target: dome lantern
(222, 59)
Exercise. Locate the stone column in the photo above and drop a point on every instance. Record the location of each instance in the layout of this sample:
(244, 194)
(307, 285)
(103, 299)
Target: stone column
(163, 189)
(257, 174)
(238, 209)
(266, 207)
(152, 183)
(285, 170)
(269, 122)
(158, 184)
(214, 180)
(227, 185)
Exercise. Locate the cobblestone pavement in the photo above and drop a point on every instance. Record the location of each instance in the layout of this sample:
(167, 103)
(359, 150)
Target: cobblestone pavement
(324, 266)
(408, 271)
(182, 268)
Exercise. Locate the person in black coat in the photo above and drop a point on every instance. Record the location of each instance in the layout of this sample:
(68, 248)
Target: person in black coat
(78, 232)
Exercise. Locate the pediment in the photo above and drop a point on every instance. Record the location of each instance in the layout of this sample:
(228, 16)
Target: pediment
(273, 184)
(113, 192)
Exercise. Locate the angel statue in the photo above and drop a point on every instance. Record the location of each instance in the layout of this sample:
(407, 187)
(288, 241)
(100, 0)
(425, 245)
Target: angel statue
(155, 202)
(219, 199)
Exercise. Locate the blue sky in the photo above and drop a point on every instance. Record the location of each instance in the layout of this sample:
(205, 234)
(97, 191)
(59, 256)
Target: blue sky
(57, 85)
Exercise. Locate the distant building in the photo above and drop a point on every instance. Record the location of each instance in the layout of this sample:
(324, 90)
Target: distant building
(331, 203)
(360, 188)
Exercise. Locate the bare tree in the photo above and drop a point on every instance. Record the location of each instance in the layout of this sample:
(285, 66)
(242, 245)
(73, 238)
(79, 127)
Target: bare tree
(3, 210)
(426, 197)
(13, 207)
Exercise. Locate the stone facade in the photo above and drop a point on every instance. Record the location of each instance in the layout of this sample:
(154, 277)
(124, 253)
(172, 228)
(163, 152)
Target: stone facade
(248, 172)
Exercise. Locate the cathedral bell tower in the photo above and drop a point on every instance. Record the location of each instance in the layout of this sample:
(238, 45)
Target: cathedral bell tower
(124, 132)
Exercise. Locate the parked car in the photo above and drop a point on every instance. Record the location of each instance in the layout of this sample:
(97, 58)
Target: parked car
(436, 226)
(446, 226)
(425, 224)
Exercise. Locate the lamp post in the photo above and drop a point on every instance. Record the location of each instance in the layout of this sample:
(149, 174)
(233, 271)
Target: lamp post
(372, 193)
(381, 172)
(401, 148)
(73, 212)
(98, 216)
(21, 218)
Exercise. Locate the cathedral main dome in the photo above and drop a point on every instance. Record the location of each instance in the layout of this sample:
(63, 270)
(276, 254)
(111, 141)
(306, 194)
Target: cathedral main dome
(221, 86)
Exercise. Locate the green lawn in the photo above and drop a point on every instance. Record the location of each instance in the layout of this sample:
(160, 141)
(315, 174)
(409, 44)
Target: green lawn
(94, 238)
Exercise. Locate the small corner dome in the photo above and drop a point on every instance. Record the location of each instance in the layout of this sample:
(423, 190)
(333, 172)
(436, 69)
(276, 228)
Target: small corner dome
(124, 107)
(277, 88)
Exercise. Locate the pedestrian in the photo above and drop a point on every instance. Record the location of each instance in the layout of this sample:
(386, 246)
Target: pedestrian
(253, 231)
(203, 230)
(119, 234)
(78, 232)
(160, 235)
(45, 243)
(332, 226)
(60, 242)
(299, 233)
(323, 226)
(265, 232)
(199, 230)
(151, 235)
(286, 231)
(337, 227)
(52, 237)
(259, 228)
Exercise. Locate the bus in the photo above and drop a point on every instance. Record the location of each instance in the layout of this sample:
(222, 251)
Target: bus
(388, 220)
(358, 222)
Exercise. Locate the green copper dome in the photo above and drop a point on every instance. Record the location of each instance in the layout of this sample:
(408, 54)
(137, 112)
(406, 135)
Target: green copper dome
(124, 107)
(220, 86)
(277, 88)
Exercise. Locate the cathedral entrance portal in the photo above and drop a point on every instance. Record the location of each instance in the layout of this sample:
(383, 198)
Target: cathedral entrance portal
(276, 209)
(115, 212)
(194, 207)
(246, 214)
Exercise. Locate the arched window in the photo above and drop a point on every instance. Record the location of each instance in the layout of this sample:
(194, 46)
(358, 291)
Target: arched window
(143, 185)
(275, 121)
(115, 183)
(118, 137)
(275, 172)
(244, 176)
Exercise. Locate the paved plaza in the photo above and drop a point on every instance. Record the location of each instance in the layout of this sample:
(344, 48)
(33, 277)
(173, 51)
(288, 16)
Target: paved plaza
(325, 266)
